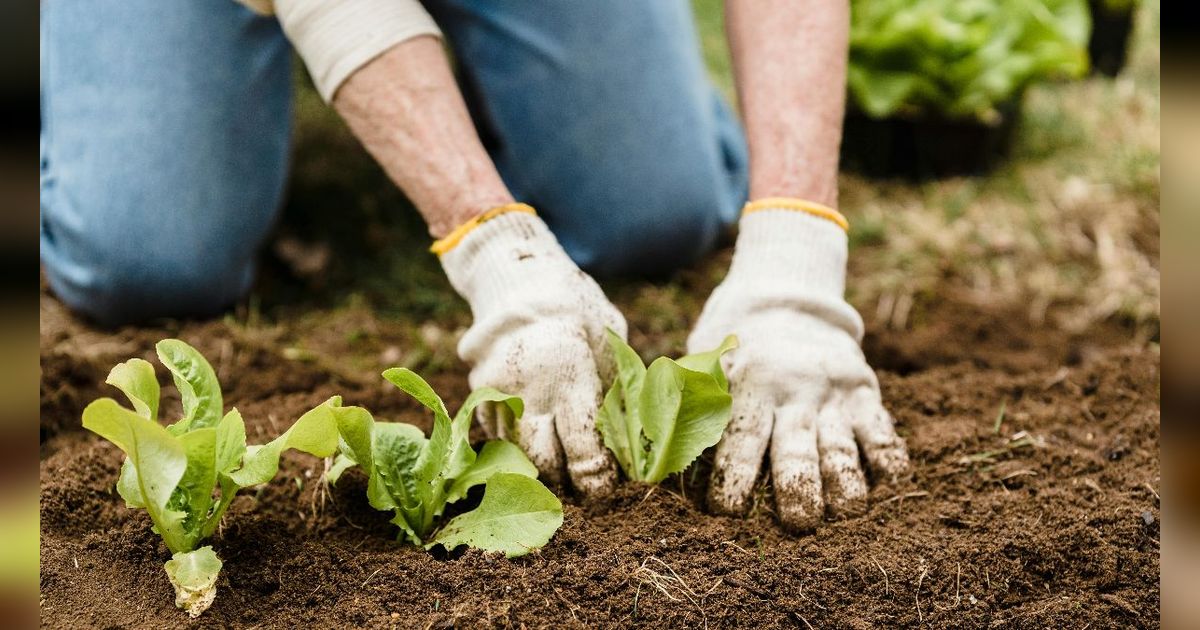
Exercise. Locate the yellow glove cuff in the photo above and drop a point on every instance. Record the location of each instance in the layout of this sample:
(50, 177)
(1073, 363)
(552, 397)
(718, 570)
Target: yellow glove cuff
(799, 205)
(443, 245)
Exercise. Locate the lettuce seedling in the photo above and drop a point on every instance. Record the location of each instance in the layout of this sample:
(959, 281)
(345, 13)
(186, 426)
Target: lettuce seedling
(186, 474)
(658, 420)
(417, 477)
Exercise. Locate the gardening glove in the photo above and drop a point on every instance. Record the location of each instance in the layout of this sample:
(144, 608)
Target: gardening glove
(798, 377)
(539, 334)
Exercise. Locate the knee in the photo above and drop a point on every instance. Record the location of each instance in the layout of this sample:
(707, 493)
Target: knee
(118, 264)
(119, 286)
(128, 249)
(652, 229)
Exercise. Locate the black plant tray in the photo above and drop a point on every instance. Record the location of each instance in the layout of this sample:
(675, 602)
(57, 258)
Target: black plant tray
(1109, 44)
(926, 148)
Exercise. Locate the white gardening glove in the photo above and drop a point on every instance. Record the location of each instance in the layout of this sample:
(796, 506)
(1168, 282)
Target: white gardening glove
(539, 334)
(798, 377)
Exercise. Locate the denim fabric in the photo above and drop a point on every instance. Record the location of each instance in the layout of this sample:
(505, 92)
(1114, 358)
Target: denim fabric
(601, 116)
(165, 137)
(164, 150)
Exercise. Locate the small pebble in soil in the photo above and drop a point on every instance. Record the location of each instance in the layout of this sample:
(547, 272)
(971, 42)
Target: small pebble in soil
(1147, 518)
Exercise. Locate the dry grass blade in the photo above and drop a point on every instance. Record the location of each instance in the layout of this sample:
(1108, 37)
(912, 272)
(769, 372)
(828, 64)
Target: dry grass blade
(668, 583)
(902, 497)
(662, 577)
(887, 588)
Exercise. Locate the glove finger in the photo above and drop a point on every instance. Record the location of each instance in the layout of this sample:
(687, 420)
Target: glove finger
(606, 364)
(485, 415)
(537, 437)
(885, 452)
(497, 421)
(589, 464)
(740, 451)
(845, 486)
(795, 463)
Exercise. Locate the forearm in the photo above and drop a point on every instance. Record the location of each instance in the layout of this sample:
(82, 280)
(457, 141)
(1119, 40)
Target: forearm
(406, 109)
(789, 61)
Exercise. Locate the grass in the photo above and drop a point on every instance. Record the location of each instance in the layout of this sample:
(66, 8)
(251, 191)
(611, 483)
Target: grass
(1067, 229)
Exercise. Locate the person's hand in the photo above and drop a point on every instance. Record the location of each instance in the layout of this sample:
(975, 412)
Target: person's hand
(798, 377)
(539, 334)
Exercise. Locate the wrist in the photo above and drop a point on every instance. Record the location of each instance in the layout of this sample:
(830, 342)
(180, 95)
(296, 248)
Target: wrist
(459, 210)
(796, 182)
(792, 248)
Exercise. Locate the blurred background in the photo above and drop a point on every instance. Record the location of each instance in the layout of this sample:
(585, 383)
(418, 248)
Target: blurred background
(1004, 152)
(18, 318)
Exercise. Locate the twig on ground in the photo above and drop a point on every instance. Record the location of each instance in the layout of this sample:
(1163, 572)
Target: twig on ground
(571, 608)
(958, 584)
(886, 584)
(670, 581)
(901, 497)
(1021, 439)
(1025, 472)
(806, 598)
(920, 580)
(370, 576)
(737, 546)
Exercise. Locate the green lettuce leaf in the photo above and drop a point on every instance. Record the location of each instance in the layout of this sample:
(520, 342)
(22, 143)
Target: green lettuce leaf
(497, 456)
(684, 412)
(136, 379)
(186, 474)
(193, 496)
(158, 457)
(657, 421)
(416, 477)
(517, 515)
(196, 382)
(710, 362)
(314, 433)
(395, 483)
(620, 425)
(960, 58)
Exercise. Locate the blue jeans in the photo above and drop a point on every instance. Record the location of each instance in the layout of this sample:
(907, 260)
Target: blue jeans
(166, 125)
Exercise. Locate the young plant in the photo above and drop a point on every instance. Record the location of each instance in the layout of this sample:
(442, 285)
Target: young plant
(417, 477)
(960, 59)
(186, 474)
(658, 420)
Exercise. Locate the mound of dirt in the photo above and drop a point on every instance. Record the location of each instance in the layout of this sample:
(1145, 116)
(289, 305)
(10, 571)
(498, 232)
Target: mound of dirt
(1047, 518)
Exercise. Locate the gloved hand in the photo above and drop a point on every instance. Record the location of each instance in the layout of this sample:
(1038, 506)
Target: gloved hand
(538, 333)
(798, 377)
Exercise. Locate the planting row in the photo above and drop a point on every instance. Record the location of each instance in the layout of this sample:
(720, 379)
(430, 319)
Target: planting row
(656, 420)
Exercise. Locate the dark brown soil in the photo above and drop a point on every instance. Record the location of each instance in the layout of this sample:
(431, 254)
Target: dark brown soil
(1052, 521)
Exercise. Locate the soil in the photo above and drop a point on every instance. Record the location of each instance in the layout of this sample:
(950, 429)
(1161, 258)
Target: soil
(1051, 520)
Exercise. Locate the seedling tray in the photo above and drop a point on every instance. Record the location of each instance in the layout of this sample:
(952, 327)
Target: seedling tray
(1109, 44)
(926, 148)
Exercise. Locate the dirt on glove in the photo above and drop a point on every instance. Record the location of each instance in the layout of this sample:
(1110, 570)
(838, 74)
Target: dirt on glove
(1033, 502)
